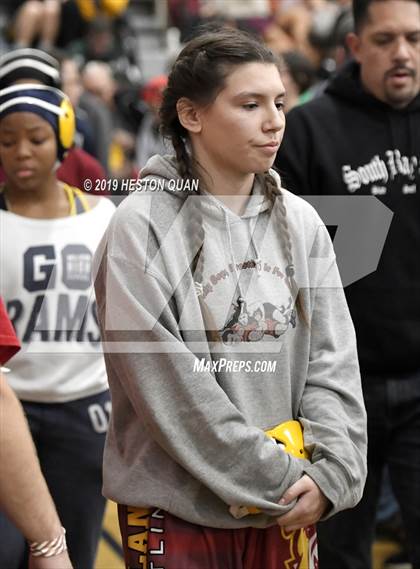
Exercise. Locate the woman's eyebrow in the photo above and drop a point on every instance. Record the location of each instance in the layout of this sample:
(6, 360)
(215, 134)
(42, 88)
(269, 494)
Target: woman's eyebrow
(36, 127)
(254, 94)
(27, 128)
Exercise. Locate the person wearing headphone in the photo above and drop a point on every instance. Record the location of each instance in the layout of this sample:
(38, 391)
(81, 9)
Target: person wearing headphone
(80, 166)
(50, 231)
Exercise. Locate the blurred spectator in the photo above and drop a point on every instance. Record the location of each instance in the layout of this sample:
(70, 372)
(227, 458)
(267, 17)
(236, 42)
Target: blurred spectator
(247, 14)
(344, 25)
(328, 35)
(295, 20)
(98, 116)
(71, 84)
(59, 22)
(277, 39)
(36, 20)
(185, 15)
(298, 75)
(149, 139)
(331, 43)
(76, 15)
(99, 43)
(28, 65)
(21, 65)
(99, 81)
(334, 50)
(303, 26)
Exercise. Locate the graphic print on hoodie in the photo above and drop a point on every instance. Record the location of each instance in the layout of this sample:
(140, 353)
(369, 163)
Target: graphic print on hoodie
(249, 323)
(261, 306)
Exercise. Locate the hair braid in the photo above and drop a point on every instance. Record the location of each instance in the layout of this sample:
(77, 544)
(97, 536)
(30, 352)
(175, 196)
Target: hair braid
(182, 157)
(276, 196)
(185, 170)
(196, 227)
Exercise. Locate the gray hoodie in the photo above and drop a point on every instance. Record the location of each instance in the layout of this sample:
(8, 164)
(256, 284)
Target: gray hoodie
(187, 426)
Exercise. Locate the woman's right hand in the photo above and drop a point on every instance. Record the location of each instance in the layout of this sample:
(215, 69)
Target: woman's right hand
(311, 504)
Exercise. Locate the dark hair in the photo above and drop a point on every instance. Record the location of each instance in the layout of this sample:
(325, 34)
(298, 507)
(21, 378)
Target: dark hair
(300, 68)
(360, 11)
(199, 74)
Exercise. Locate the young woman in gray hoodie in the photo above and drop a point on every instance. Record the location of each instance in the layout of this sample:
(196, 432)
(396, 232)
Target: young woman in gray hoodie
(223, 316)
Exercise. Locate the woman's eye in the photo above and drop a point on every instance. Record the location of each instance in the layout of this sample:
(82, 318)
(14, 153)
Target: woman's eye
(38, 141)
(6, 143)
(250, 106)
(280, 105)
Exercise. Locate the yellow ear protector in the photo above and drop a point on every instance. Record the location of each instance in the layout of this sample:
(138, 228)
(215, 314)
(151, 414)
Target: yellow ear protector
(49, 103)
(289, 436)
(66, 124)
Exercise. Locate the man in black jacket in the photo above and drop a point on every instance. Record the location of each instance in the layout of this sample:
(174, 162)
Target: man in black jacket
(362, 138)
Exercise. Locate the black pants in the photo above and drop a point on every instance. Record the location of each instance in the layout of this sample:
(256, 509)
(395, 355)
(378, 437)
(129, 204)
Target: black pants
(393, 409)
(69, 438)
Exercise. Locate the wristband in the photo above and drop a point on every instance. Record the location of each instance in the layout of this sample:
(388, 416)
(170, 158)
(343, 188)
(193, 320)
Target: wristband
(49, 548)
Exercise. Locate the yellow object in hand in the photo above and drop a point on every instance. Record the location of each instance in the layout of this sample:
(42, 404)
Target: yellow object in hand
(289, 436)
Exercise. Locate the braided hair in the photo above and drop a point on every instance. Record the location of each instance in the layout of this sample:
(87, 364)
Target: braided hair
(275, 195)
(199, 74)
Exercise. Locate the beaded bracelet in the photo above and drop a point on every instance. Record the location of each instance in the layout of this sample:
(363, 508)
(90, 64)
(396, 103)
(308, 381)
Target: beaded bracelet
(49, 548)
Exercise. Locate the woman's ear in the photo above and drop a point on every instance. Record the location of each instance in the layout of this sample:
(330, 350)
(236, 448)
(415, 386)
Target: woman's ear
(188, 115)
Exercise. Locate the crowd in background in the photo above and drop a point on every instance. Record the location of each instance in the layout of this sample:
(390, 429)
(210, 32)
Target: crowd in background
(117, 105)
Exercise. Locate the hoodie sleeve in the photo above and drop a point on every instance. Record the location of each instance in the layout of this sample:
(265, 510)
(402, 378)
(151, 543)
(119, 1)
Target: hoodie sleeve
(185, 411)
(332, 409)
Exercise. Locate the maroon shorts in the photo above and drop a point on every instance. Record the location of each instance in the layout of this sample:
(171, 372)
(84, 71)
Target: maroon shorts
(154, 539)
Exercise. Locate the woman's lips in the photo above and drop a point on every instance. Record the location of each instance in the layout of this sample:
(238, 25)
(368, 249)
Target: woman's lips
(270, 148)
(24, 173)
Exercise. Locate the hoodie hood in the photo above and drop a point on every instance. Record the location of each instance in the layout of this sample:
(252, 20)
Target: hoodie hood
(165, 167)
(238, 235)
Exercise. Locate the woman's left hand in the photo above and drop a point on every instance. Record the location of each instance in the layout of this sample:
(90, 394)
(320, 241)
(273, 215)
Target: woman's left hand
(310, 506)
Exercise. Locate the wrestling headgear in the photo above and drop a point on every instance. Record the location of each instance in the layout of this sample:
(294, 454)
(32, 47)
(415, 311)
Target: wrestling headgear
(49, 103)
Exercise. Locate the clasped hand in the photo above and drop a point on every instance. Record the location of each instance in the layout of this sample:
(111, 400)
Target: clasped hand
(310, 506)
